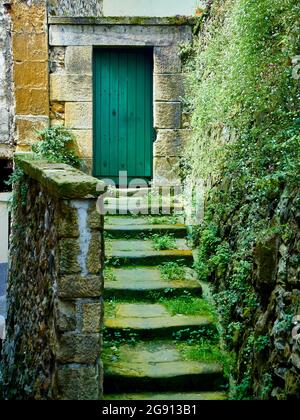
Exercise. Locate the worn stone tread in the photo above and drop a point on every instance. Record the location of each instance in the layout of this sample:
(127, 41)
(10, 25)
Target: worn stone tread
(112, 209)
(177, 230)
(168, 396)
(156, 364)
(147, 279)
(150, 319)
(141, 252)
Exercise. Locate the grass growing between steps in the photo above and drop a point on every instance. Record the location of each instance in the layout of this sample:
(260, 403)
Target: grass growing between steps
(209, 353)
(188, 305)
(182, 305)
(164, 242)
(109, 274)
(172, 271)
(162, 220)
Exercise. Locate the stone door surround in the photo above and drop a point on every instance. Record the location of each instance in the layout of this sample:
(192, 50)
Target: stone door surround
(71, 87)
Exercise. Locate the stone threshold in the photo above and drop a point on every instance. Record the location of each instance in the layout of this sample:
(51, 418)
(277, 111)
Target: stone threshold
(123, 20)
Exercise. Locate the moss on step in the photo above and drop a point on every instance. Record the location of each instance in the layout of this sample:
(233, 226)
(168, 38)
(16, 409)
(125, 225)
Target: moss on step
(159, 365)
(168, 396)
(189, 305)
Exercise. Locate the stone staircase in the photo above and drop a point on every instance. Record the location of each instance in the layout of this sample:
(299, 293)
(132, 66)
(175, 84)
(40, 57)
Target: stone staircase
(146, 345)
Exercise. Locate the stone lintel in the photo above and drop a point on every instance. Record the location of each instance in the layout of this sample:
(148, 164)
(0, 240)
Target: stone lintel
(118, 35)
(123, 20)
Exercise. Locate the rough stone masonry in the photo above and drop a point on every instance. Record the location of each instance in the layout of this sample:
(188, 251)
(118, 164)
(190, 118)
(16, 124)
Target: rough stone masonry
(55, 311)
(6, 102)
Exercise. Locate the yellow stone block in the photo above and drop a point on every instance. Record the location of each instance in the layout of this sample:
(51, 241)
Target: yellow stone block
(23, 148)
(31, 74)
(26, 130)
(32, 101)
(84, 142)
(20, 44)
(28, 18)
(38, 47)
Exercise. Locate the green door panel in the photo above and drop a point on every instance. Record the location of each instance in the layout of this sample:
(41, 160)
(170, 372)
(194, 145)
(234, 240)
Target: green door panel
(123, 112)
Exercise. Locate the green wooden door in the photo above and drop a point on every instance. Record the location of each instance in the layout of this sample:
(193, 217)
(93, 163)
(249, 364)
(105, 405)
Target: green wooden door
(123, 113)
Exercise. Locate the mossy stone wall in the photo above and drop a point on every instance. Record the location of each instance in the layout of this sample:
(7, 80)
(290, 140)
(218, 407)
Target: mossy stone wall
(55, 308)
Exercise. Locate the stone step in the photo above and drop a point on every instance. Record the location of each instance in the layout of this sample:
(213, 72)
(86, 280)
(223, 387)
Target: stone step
(119, 220)
(168, 396)
(150, 321)
(143, 210)
(158, 366)
(142, 192)
(141, 252)
(139, 283)
(129, 192)
(140, 231)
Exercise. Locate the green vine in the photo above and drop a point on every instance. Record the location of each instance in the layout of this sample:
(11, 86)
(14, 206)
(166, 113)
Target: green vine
(57, 144)
(244, 101)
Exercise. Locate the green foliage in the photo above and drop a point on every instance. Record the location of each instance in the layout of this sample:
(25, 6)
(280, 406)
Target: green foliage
(163, 242)
(172, 271)
(204, 351)
(193, 336)
(20, 188)
(213, 256)
(57, 145)
(162, 220)
(189, 305)
(109, 274)
(262, 342)
(117, 338)
(246, 93)
(246, 147)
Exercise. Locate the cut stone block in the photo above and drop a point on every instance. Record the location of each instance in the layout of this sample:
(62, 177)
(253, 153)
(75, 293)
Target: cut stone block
(167, 60)
(78, 60)
(167, 115)
(168, 87)
(118, 35)
(79, 115)
(78, 383)
(84, 142)
(171, 143)
(70, 88)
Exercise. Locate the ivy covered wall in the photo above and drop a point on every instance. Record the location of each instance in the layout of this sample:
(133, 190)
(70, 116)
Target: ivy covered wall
(244, 99)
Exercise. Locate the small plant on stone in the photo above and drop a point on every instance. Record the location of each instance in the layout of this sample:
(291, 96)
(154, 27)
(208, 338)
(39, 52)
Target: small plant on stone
(57, 144)
(163, 242)
(189, 305)
(172, 271)
(17, 179)
(109, 275)
(163, 220)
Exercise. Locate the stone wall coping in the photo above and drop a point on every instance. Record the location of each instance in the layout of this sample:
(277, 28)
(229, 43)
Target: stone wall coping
(6, 151)
(61, 180)
(123, 20)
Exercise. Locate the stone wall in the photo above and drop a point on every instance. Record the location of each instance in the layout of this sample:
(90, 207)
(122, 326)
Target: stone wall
(53, 344)
(30, 69)
(257, 291)
(6, 100)
(276, 280)
(75, 7)
(71, 46)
